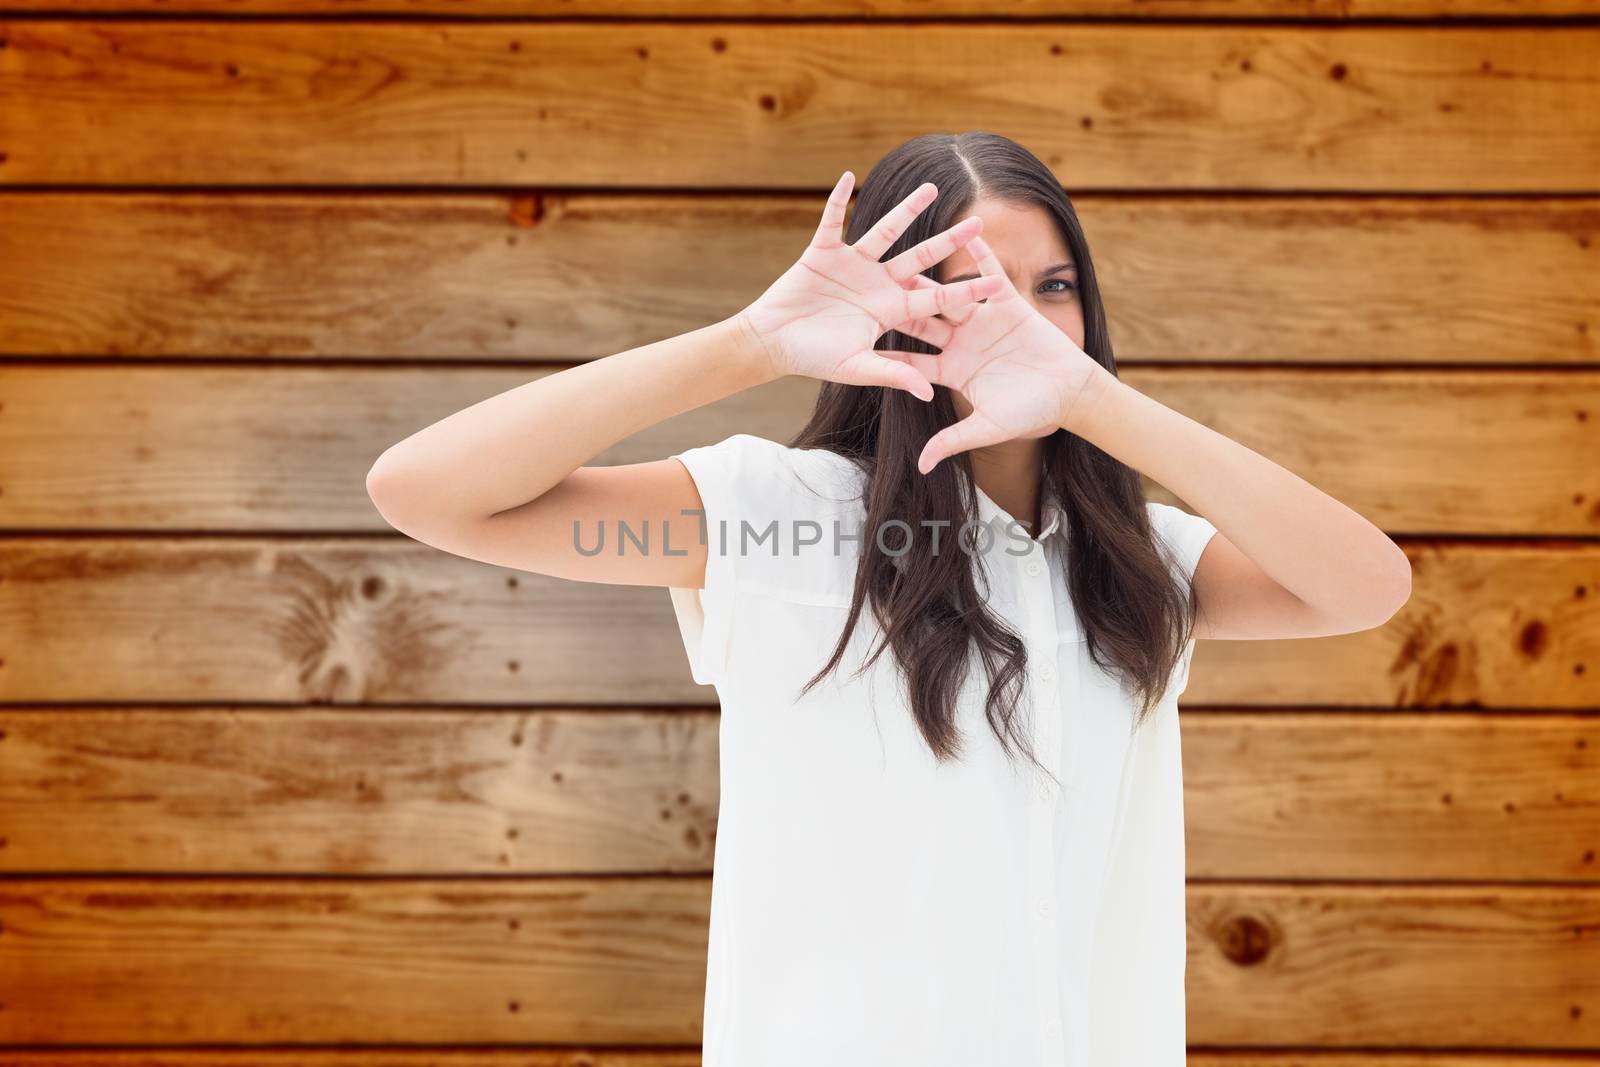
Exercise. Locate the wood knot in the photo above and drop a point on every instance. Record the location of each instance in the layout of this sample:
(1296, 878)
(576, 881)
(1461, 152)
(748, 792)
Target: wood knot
(1534, 638)
(1245, 940)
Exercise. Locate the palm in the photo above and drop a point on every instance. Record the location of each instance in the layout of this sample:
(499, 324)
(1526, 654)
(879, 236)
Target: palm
(1004, 359)
(827, 309)
(823, 315)
(1014, 366)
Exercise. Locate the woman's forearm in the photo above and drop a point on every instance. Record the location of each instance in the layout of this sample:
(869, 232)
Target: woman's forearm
(510, 448)
(1315, 546)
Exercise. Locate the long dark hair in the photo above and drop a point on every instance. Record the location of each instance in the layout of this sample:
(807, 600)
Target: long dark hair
(1136, 617)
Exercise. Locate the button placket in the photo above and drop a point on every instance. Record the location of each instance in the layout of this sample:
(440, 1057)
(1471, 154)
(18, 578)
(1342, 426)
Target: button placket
(1038, 600)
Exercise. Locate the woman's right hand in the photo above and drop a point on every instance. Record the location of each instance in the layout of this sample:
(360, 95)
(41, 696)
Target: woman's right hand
(823, 315)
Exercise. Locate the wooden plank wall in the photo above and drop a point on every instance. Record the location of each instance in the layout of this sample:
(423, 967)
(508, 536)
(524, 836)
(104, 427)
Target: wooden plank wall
(272, 776)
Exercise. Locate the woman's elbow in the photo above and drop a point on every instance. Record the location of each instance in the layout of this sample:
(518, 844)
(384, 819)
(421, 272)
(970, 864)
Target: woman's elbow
(391, 491)
(1397, 587)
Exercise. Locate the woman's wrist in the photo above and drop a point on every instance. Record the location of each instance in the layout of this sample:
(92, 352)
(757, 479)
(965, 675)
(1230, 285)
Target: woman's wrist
(749, 351)
(1088, 402)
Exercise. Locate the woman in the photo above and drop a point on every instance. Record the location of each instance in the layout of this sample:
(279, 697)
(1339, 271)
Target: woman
(947, 630)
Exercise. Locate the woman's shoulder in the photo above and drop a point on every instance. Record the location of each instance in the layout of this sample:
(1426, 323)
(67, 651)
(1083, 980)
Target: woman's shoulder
(787, 520)
(1186, 534)
(813, 478)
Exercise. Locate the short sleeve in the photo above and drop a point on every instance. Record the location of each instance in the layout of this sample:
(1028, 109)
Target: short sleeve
(1185, 535)
(704, 614)
(754, 491)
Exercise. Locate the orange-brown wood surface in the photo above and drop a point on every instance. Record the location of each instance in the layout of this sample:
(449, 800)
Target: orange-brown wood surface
(385, 620)
(621, 960)
(1269, 793)
(273, 776)
(569, 276)
(719, 105)
(1419, 451)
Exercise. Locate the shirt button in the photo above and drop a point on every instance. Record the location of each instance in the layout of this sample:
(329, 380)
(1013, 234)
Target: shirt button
(1044, 790)
(1044, 907)
(1052, 1029)
(1033, 567)
(1047, 671)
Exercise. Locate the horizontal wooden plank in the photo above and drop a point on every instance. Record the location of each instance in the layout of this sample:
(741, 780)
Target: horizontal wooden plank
(1461, 967)
(336, 791)
(622, 961)
(288, 448)
(997, 10)
(326, 621)
(390, 621)
(783, 105)
(1391, 796)
(1274, 794)
(551, 960)
(281, 448)
(556, 276)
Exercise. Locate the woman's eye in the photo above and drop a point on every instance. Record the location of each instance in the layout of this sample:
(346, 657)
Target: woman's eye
(1061, 281)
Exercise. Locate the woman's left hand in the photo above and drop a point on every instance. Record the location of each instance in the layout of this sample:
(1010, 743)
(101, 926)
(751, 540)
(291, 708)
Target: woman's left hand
(1019, 371)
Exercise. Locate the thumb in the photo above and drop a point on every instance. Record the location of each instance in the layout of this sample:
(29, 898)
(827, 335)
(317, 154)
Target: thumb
(974, 431)
(874, 367)
(923, 363)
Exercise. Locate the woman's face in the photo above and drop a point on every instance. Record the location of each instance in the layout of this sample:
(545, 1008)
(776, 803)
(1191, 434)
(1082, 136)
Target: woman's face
(1030, 249)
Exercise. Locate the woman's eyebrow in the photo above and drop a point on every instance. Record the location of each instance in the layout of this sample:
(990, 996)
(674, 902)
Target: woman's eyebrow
(1047, 271)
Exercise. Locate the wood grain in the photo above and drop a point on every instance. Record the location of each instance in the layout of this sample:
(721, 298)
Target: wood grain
(564, 960)
(1336, 965)
(717, 105)
(361, 792)
(1423, 452)
(569, 276)
(138, 447)
(1392, 796)
(621, 960)
(270, 775)
(386, 621)
(1270, 794)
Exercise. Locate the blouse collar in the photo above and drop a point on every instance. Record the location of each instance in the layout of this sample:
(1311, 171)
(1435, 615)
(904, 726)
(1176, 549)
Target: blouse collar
(991, 514)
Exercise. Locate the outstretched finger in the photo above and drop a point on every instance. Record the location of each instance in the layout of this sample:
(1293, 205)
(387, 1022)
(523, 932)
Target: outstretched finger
(954, 314)
(935, 249)
(974, 431)
(872, 367)
(830, 231)
(935, 331)
(920, 303)
(984, 257)
(887, 230)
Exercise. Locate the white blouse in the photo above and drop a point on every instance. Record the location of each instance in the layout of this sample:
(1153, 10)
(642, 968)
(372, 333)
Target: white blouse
(870, 906)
